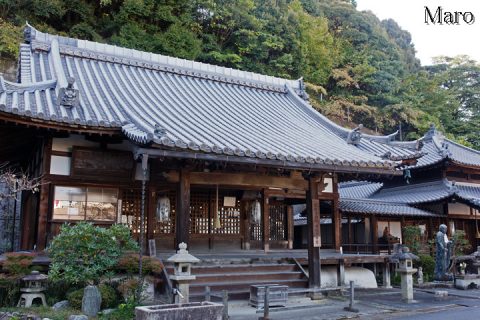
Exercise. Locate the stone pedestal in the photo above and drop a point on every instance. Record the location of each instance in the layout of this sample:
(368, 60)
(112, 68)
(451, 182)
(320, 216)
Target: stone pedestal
(468, 281)
(407, 284)
(404, 258)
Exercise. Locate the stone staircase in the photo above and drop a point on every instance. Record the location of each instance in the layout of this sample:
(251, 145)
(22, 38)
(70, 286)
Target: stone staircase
(237, 277)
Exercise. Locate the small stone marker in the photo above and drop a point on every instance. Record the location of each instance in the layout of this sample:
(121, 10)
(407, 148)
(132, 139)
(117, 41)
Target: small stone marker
(152, 248)
(441, 295)
(91, 302)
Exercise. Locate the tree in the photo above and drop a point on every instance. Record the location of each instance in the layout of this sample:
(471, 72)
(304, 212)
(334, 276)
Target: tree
(12, 183)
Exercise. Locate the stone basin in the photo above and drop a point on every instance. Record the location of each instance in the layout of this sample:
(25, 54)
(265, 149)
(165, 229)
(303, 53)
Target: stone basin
(192, 311)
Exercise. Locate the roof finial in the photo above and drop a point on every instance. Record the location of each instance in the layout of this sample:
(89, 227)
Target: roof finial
(28, 33)
(432, 131)
(355, 135)
(68, 97)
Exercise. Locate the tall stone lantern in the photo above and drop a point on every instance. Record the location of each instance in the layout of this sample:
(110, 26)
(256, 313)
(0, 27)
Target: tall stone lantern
(182, 275)
(404, 258)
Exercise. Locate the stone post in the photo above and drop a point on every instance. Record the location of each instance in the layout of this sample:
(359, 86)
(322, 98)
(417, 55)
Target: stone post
(182, 275)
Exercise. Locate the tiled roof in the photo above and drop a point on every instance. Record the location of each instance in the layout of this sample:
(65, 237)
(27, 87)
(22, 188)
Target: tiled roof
(175, 103)
(428, 192)
(384, 208)
(437, 148)
(358, 189)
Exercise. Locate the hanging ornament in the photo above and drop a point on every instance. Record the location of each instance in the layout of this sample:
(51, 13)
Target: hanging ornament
(163, 209)
(256, 212)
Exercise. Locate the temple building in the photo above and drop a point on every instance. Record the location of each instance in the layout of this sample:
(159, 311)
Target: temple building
(218, 158)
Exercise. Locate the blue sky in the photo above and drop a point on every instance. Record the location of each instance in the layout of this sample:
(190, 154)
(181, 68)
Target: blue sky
(432, 40)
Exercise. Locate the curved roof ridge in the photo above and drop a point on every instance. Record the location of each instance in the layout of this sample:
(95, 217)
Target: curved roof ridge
(32, 35)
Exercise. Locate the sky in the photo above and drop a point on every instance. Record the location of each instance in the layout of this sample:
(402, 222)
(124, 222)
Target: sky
(432, 40)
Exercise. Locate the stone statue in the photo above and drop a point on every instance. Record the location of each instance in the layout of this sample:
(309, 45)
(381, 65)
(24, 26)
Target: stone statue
(420, 275)
(442, 259)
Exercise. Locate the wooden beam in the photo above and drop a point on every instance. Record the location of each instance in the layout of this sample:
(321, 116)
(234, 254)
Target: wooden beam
(182, 227)
(266, 222)
(314, 239)
(241, 179)
(290, 226)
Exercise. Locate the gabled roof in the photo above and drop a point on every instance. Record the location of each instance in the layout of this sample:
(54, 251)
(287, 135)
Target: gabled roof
(176, 104)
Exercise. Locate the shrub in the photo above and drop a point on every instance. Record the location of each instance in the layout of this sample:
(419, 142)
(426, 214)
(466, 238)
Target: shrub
(109, 297)
(18, 264)
(75, 298)
(461, 243)
(9, 290)
(82, 253)
(412, 236)
(125, 311)
(428, 266)
(129, 288)
(129, 263)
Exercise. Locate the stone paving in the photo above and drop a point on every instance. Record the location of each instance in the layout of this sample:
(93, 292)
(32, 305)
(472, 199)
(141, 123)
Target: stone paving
(372, 304)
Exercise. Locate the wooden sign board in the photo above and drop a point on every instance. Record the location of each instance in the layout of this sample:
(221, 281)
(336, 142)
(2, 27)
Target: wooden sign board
(109, 164)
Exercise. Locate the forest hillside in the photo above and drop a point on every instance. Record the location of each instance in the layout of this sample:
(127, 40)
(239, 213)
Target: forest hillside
(358, 68)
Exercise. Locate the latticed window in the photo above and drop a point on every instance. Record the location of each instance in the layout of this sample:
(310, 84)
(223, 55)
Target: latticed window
(278, 222)
(131, 209)
(204, 219)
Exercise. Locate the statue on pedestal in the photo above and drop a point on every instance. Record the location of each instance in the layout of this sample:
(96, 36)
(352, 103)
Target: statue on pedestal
(444, 249)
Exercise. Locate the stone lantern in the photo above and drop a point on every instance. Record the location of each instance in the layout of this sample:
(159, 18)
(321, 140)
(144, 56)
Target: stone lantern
(182, 275)
(35, 284)
(404, 258)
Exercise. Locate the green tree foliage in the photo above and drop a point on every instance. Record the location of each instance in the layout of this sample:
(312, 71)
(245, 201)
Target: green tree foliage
(82, 253)
(366, 68)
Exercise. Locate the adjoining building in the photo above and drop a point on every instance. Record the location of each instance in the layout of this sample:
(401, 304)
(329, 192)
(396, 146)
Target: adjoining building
(443, 186)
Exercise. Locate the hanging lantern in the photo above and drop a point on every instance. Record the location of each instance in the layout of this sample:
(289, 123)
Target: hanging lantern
(163, 209)
(256, 212)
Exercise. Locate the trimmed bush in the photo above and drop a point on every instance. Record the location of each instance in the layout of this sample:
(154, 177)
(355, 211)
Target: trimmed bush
(128, 263)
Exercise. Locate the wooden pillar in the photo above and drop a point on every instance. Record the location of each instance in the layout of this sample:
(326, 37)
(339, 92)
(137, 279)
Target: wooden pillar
(350, 233)
(290, 226)
(337, 217)
(151, 205)
(182, 228)
(402, 225)
(43, 208)
(266, 222)
(43, 216)
(374, 231)
(314, 239)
